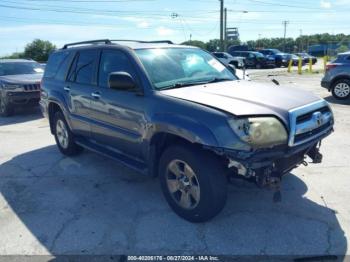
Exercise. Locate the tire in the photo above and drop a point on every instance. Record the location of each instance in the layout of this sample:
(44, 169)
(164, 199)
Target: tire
(258, 66)
(341, 89)
(64, 137)
(278, 63)
(5, 109)
(206, 190)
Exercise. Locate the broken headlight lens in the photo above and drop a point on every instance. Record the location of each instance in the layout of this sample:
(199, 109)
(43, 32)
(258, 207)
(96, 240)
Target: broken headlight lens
(260, 131)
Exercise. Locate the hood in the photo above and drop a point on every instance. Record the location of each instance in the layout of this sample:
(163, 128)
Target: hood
(246, 98)
(21, 79)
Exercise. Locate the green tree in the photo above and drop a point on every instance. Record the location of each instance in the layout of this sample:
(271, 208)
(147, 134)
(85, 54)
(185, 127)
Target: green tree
(39, 50)
(197, 43)
(213, 45)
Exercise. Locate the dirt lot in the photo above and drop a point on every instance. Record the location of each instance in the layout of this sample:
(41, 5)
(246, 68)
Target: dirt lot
(50, 204)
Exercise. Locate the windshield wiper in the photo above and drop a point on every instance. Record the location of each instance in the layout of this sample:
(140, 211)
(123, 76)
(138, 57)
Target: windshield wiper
(202, 82)
(216, 80)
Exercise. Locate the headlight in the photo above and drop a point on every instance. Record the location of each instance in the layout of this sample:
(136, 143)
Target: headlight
(260, 131)
(11, 86)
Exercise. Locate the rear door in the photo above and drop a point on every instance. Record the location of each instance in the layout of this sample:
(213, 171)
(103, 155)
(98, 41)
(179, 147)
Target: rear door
(119, 118)
(79, 87)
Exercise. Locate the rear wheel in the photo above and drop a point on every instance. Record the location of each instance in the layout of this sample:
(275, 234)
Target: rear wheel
(341, 89)
(5, 108)
(193, 182)
(64, 137)
(258, 66)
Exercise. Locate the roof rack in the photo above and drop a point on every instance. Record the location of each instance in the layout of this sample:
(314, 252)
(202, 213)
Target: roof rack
(107, 41)
(104, 41)
(144, 42)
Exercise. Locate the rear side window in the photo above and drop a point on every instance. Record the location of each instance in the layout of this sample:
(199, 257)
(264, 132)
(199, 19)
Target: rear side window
(54, 63)
(113, 61)
(83, 68)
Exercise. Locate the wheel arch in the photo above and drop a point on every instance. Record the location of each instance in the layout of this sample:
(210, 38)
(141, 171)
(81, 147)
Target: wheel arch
(53, 107)
(337, 78)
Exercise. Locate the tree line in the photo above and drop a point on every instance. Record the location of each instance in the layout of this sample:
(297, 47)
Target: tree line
(39, 50)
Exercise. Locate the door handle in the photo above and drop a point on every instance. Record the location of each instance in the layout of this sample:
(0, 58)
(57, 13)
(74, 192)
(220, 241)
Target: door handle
(96, 95)
(66, 88)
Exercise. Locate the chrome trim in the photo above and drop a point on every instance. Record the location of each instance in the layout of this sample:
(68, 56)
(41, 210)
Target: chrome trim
(317, 120)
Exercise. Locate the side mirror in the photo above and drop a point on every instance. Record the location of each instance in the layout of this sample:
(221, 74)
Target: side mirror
(121, 81)
(232, 68)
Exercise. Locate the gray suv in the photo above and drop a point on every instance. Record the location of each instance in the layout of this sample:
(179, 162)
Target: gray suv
(176, 112)
(337, 76)
(19, 84)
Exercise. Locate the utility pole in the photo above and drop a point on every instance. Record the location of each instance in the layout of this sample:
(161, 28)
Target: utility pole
(301, 40)
(225, 29)
(285, 23)
(221, 25)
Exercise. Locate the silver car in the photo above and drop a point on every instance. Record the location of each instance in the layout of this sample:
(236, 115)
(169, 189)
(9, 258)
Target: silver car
(337, 76)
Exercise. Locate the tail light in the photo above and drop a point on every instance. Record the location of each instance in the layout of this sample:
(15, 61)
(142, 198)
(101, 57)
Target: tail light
(330, 66)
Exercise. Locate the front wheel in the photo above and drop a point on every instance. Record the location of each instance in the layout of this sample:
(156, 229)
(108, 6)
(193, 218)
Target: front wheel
(64, 137)
(193, 182)
(341, 89)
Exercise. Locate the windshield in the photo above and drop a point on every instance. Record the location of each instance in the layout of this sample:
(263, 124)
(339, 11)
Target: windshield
(20, 68)
(259, 54)
(167, 67)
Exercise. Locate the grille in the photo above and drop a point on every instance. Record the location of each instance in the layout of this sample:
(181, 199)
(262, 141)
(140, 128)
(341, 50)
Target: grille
(31, 87)
(308, 116)
(309, 122)
(304, 136)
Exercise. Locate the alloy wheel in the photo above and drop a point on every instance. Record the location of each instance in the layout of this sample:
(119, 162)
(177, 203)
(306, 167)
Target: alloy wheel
(62, 133)
(183, 184)
(342, 90)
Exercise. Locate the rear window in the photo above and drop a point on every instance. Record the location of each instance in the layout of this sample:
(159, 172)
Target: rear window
(54, 63)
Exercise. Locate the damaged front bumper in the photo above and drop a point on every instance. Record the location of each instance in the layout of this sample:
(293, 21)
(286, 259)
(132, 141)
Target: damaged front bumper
(267, 166)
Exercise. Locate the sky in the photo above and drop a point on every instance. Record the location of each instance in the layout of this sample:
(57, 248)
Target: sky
(64, 21)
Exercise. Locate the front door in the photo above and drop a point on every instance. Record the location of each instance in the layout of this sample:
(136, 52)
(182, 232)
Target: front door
(119, 118)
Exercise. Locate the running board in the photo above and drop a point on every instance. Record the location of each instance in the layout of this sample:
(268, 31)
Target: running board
(119, 157)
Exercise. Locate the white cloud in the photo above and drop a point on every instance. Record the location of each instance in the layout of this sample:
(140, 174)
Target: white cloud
(143, 24)
(325, 4)
(164, 31)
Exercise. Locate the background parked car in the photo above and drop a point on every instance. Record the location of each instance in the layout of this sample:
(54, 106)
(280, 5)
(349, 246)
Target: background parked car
(306, 57)
(295, 60)
(281, 59)
(228, 59)
(19, 84)
(255, 59)
(337, 76)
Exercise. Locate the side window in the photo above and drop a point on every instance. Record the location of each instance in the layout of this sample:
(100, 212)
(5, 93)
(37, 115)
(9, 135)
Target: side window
(54, 63)
(83, 67)
(218, 55)
(73, 69)
(251, 55)
(86, 67)
(113, 61)
(63, 69)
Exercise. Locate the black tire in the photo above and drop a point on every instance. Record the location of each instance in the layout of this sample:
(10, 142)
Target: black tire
(211, 181)
(258, 66)
(72, 148)
(278, 63)
(5, 109)
(343, 84)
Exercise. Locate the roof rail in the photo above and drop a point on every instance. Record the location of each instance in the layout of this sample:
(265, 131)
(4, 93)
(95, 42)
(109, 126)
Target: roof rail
(105, 41)
(144, 42)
